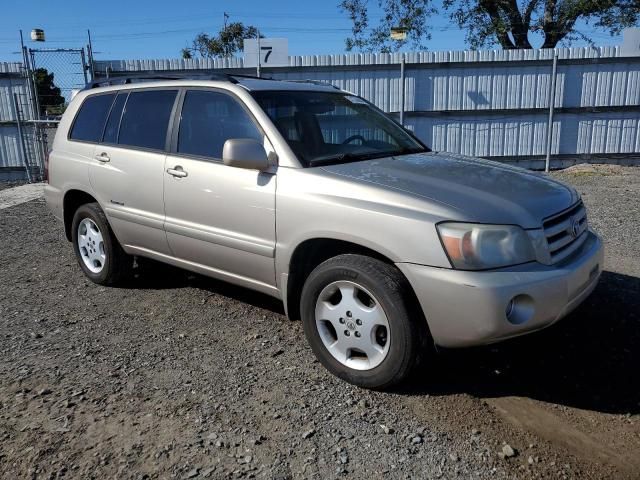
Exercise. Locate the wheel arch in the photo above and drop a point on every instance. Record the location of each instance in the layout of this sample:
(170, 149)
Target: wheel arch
(310, 253)
(73, 199)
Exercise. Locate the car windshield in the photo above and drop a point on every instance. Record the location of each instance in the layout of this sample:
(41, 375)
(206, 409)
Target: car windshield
(325, 127)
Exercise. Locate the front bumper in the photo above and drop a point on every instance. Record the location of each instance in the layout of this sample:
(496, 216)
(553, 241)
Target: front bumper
(470, 308)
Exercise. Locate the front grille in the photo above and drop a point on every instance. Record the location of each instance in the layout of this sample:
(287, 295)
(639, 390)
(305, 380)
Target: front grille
(566, 232)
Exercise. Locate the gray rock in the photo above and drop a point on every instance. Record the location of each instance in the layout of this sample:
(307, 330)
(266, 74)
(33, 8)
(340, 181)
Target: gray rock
(508, 451)
(387, 430)
(193, 473)
(309, 433)
(208, 471)
(416, 440)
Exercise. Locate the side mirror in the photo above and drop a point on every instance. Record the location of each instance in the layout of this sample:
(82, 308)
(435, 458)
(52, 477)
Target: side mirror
(245, 153)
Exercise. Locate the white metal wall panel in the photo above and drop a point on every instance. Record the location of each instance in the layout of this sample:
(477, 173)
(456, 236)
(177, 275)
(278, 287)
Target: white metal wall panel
(9, 153)
(8, 87)
(481, 81)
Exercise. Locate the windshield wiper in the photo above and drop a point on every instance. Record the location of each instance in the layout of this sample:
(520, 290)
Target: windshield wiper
(351, 157)
(345, 157)
(408, 151)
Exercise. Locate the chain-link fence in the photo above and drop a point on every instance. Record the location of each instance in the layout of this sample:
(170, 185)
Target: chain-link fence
(52, 77)
(56, 74)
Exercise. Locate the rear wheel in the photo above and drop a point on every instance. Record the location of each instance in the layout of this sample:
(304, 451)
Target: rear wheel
(99, 254)
(361, 322)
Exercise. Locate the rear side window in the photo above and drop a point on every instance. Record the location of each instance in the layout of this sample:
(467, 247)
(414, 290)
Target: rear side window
(208, 120)
(146, 119)
(111, 129)
(91, 117)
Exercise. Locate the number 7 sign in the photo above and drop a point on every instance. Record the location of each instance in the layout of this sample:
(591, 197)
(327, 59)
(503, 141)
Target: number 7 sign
(267, 52)
(272, 52)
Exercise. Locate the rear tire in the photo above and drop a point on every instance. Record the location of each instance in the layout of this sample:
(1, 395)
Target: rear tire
(99, 254)
(361, 321)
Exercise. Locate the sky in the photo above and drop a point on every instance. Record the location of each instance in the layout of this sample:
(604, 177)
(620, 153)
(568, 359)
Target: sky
(161, 28)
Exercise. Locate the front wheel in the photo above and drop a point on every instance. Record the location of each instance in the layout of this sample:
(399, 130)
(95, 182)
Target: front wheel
(361, 321)
(99, 254)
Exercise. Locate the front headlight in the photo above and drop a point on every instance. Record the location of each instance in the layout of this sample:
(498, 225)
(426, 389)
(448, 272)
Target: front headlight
(479, 247)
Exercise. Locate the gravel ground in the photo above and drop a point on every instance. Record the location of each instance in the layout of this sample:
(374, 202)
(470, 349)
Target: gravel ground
(6, 185)
(179, 376)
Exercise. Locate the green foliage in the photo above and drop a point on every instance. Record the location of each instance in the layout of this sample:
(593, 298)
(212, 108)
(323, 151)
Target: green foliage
(227, 42)
(49, 95)
(411, 15)
(508, 23)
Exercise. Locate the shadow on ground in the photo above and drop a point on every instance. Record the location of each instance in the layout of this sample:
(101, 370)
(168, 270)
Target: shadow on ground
(588, 360)
(152, 275)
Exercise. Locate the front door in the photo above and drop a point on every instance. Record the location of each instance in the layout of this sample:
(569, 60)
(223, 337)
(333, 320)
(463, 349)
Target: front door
(219, 217)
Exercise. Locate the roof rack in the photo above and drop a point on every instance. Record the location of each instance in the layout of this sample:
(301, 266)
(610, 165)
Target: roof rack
(315, 82)
(125, 80)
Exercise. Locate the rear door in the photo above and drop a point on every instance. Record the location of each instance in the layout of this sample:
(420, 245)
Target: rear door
(128, 169)
(217, 216)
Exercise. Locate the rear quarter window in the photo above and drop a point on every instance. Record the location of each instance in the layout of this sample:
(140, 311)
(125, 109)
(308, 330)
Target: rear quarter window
(89, 122)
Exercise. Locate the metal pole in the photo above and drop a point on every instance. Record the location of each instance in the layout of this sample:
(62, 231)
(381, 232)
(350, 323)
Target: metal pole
(552, 103)
(32, 77)
(23, 150)
(84, 66)
(90, 51)
(33, 102)
(402, 82)
(30, 81)
(258, 67)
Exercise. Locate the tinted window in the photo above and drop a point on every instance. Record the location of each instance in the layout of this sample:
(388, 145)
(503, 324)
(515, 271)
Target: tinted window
(111, 130)
(208, 120)
(89, 122)
(146, 118)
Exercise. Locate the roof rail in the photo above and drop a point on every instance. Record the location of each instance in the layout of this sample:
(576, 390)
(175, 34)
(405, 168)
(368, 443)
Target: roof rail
(125, 80)
(315, 82)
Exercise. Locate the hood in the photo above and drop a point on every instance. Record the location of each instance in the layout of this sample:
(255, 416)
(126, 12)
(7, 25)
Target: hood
(476, 190)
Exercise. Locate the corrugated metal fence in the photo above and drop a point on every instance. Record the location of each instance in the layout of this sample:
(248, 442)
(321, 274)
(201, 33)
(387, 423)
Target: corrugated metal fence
(491, 104)
(16, 113)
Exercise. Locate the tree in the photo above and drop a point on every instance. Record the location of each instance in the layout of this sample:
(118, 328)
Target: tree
(508, 23)
(228, 41)
(411, 15)
(49, 94)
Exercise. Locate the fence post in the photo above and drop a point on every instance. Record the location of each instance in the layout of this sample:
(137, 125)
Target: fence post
(402, 82)
(552, 103)
(259, 59)
(90, 52)
(84, 66)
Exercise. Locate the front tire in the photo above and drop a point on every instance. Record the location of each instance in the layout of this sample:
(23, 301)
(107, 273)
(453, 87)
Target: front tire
(361, 321)
(99, 254)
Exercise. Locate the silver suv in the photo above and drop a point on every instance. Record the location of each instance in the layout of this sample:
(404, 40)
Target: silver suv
(310, 194)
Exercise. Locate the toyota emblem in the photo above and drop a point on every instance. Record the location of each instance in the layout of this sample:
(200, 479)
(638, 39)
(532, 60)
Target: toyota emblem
(575, 227)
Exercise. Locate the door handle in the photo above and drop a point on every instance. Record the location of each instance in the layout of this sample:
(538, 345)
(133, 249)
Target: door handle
(103, 157)
(177, 171)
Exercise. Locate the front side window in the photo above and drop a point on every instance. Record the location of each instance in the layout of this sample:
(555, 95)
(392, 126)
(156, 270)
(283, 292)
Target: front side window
(91, 118)
(145, 119)
(328, 127)
(208, 120)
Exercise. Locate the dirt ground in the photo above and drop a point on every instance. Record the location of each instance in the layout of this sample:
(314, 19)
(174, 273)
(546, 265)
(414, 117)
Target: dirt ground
(179, 376)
